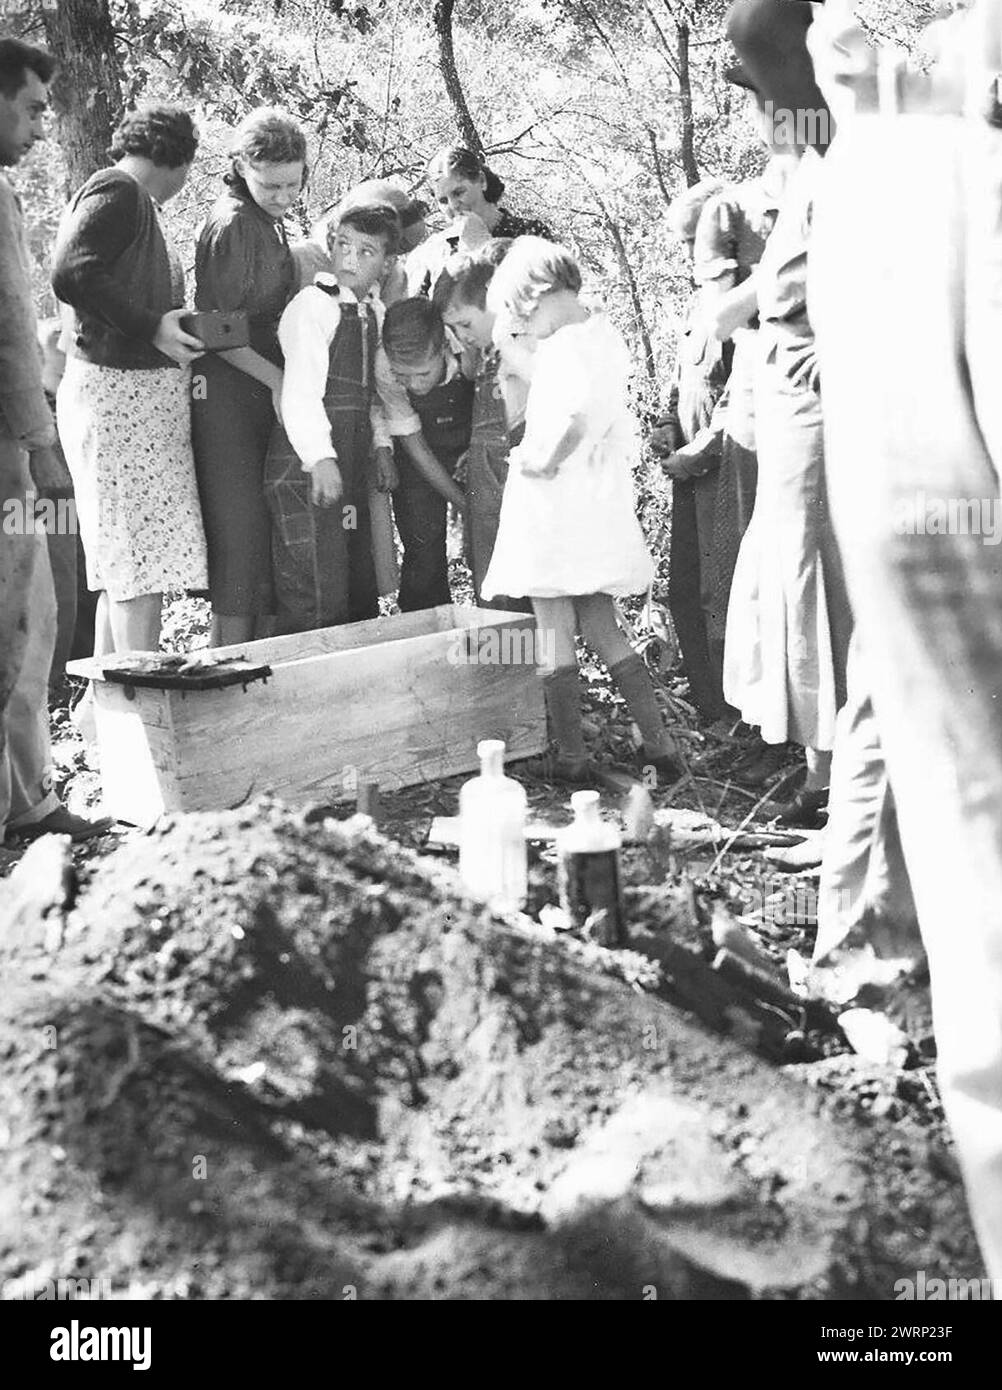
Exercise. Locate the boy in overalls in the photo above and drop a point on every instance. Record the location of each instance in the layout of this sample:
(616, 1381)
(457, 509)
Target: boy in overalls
(441, 396)
(336, 399)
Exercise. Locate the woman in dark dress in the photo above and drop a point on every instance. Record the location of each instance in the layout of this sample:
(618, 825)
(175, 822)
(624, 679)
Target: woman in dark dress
(462, 186)
(243, 262)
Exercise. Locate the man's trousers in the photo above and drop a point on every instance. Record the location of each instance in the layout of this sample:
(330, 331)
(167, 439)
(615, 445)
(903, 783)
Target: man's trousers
(27, 642)
(906, 301)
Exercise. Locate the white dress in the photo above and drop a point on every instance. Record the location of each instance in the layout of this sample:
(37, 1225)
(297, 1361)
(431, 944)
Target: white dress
(577, 532)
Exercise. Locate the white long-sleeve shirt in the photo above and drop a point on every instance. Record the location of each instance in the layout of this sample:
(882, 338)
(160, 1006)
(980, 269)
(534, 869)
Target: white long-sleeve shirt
(305, 332)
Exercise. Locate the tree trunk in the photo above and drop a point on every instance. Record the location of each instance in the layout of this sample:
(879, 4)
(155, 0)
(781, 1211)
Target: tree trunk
(616, 236)
(689, 166)
(442, 18)
(87, 91)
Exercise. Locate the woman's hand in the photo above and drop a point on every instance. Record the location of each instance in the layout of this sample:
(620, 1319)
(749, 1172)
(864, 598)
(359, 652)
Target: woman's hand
(172, 340)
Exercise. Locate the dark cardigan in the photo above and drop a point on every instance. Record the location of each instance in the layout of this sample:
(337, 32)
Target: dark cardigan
(111, 265)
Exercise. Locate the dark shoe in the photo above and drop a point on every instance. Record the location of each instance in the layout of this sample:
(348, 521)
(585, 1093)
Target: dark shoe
(62, 822)
(668, 766)
(554, 767)
(807, 810)
(761, 771)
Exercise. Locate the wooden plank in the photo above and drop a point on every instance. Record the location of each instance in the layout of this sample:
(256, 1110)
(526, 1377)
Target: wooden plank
(399, 713)
(138, 753)
(320, 642)
(403, 710)
(346, 637)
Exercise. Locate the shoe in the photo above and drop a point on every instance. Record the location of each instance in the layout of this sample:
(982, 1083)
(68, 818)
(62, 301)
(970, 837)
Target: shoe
(798, 858)
(668, 766)
(771, 761)
(555, 767)
(808, 810)
(62, 822)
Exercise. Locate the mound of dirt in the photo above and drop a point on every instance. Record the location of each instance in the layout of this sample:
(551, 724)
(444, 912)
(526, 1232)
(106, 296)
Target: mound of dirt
(263, 1056)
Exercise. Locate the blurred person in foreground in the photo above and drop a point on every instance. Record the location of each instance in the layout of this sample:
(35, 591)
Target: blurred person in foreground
(912, 195)
(28, 805)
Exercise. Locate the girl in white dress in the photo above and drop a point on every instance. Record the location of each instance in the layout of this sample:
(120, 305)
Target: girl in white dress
(568, 536)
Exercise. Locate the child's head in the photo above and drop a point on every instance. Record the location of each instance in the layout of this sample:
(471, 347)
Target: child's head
(461, 294)
(363, 243)
(415, 344)
(534, 287)
(411, 211)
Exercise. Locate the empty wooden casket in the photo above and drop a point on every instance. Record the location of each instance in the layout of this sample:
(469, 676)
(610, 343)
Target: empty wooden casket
(397, 700)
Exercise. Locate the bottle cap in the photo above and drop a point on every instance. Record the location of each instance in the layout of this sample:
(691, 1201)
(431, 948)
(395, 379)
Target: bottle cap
(490, 751)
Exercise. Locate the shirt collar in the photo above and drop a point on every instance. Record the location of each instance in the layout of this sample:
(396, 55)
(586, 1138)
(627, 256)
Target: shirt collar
(325, 279)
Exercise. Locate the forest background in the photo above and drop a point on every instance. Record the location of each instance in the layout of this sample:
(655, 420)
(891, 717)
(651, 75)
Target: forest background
(596, 113)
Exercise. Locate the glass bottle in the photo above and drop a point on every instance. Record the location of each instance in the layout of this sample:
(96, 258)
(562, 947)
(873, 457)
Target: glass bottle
(493, 863)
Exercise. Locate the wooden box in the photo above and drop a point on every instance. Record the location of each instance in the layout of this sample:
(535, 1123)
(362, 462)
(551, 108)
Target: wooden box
(397, 700)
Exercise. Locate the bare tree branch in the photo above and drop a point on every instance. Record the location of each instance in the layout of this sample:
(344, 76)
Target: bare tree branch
(442, 19)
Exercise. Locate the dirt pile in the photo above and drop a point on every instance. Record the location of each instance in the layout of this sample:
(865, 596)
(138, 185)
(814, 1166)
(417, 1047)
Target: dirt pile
(260, 1056)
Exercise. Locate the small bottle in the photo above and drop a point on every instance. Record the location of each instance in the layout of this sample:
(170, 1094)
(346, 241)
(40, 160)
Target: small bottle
(493, 863)
(588, 869)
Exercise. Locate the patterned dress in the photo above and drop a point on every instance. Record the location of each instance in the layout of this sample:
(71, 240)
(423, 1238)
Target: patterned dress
(426, 262)
(127, 439)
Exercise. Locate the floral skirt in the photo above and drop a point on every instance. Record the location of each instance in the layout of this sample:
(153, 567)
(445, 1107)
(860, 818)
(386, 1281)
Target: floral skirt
(127, 440)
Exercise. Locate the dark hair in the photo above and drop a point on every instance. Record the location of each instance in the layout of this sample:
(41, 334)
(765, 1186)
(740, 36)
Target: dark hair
(413, 331)
(268, 135)
(411, 211)
(456, 159)
(468, 283)
(164, 134)
(371, 219)
(17, 59)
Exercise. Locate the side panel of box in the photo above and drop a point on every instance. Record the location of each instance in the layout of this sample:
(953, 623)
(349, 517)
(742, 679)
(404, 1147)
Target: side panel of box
(401, 713)
(137, 752)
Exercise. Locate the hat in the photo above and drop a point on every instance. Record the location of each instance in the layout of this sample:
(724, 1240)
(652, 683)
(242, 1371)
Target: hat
(770, 38)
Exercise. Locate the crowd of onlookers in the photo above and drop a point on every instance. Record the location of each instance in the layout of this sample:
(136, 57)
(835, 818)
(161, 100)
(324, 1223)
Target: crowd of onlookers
(385, 375)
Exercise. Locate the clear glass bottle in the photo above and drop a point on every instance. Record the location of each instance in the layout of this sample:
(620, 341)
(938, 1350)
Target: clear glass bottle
(493, 863)
(588, 867)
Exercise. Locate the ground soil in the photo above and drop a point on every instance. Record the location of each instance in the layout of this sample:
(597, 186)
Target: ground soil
(271, 1053)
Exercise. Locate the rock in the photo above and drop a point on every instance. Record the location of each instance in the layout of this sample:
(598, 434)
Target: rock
(874, 1037)
(36, 897)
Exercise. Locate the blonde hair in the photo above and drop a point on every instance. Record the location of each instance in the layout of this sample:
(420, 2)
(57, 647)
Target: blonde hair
(533, 267)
